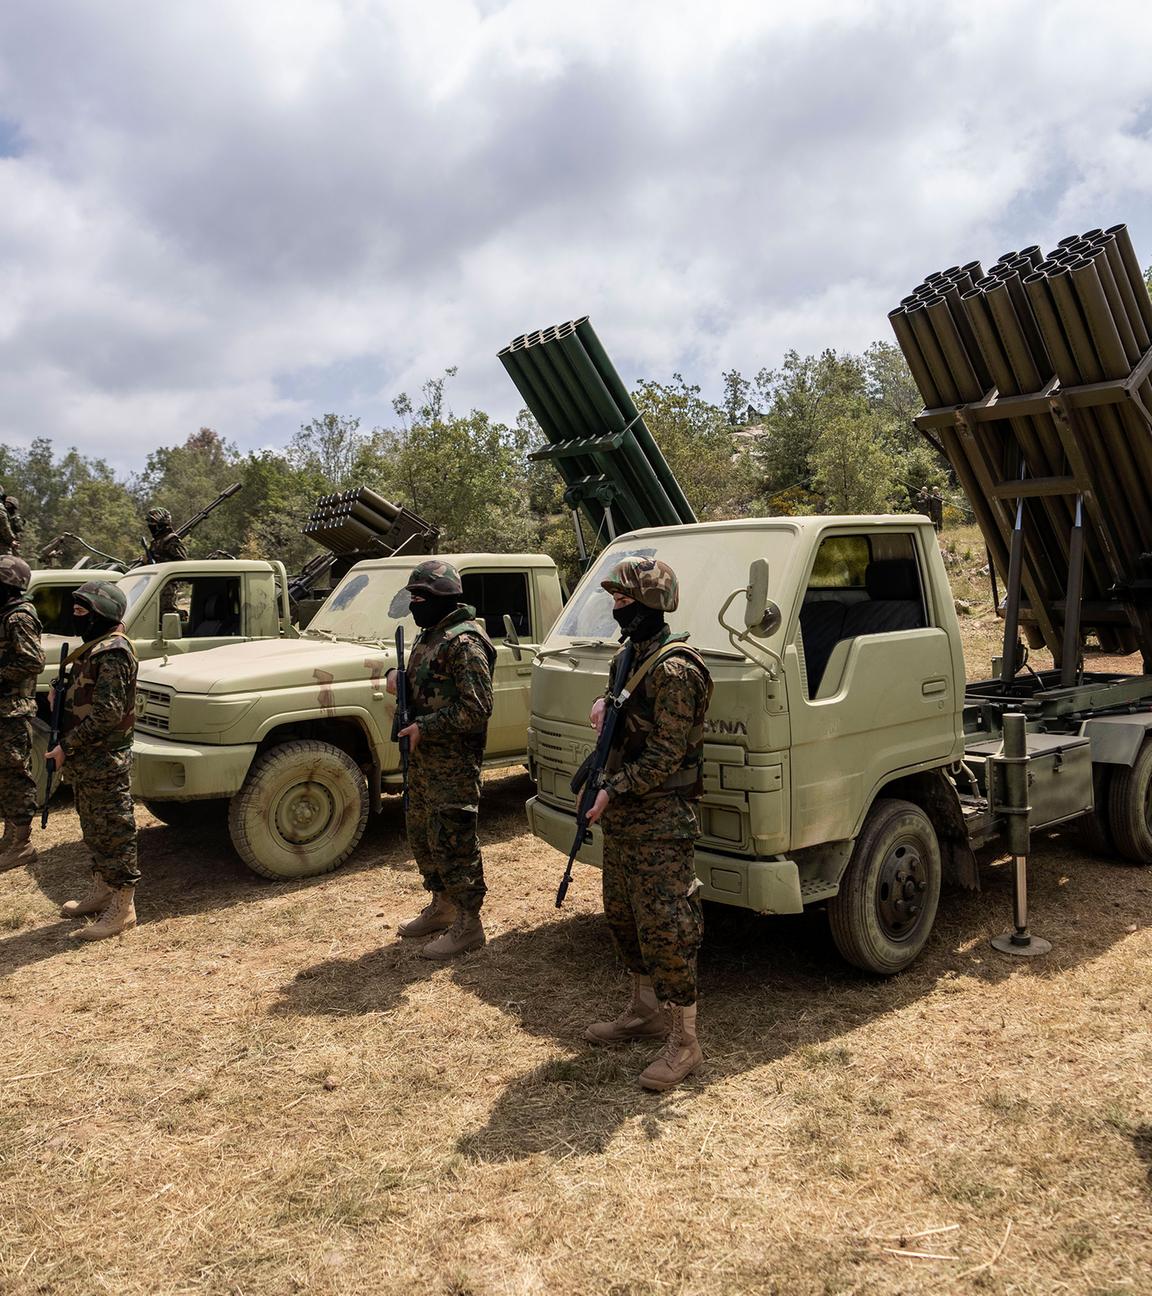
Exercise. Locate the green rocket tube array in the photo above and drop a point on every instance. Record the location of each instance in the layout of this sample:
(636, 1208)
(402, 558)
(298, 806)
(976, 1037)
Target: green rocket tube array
(1035, 378)
(614, 471)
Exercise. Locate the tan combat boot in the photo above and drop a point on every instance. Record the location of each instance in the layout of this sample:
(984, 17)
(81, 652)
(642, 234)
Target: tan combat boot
(465, 934)
(118, 916)
(93, 903)
(680, 1056)
(643, 1018)
(17, 845)
(436, 916)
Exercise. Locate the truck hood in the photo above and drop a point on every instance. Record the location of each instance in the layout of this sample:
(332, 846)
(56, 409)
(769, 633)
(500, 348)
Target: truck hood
(265, 665)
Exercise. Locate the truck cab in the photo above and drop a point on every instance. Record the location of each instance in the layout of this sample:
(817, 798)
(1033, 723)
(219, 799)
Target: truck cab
(218, 601)
(296, 736)
(853, 693)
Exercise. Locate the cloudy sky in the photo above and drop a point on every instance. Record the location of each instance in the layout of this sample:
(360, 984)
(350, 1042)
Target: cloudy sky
(242, 215)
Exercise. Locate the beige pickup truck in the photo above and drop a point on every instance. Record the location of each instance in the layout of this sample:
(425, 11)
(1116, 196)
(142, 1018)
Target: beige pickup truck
(295, 736)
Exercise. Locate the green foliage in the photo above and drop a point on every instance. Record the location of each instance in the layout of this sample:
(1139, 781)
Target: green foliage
(852, 468)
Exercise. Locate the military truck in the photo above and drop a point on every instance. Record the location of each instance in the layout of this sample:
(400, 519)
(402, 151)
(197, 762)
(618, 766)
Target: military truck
(294, 738)
(219, 601)
(847, 762)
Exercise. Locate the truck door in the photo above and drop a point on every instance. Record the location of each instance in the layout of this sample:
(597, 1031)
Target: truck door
(494, 593)
(871, 685)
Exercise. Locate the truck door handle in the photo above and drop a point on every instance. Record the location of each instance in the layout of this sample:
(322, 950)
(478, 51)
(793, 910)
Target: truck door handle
(933, 687)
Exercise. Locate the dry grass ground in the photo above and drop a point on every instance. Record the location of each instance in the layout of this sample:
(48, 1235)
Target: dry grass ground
(261, 1091)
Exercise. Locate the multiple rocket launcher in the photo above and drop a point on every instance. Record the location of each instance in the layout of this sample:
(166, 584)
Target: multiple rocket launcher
(1035, 378)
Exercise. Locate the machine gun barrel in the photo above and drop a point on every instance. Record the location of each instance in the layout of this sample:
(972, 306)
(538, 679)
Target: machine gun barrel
(197, 518)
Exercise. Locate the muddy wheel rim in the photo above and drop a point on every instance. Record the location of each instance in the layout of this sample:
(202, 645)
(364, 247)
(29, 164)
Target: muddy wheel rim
(900, 886)
(304, 813)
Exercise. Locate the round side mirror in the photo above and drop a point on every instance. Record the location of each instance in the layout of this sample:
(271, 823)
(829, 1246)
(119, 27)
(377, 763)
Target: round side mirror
(769, 623)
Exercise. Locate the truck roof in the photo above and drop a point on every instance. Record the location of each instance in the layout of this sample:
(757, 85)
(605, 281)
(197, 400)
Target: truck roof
(815, 522)
(461, 560)
(66, 575)
(193, 565)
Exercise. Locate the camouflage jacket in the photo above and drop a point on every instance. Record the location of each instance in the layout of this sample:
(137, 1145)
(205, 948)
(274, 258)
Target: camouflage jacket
(100, 708)
(21, 658)
(167, 548)
(661, 741)
(450, 678)
(7, 535)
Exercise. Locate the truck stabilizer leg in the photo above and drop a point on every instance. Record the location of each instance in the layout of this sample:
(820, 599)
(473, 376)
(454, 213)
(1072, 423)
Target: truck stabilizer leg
(1013, 787)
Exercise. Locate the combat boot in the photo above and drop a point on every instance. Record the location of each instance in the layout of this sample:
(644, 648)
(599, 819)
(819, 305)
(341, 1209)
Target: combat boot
(436, 916)
(466, 933)
(17, 845)
(99, 893)
(119, 916)
(680, 1056)
(643, 1019)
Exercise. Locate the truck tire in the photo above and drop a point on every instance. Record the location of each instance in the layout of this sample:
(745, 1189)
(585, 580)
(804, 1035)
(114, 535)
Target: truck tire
(187, 814)
(1129, 811)
(886, 905)
(301, 811)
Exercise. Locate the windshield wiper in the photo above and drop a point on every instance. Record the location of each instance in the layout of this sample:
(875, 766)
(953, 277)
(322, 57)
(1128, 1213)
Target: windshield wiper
(576, 643)
(320, 634)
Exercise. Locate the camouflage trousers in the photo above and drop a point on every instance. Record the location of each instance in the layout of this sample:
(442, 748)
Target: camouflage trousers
(102, 784)
(650, 902)
(443, 802)
(17, 786)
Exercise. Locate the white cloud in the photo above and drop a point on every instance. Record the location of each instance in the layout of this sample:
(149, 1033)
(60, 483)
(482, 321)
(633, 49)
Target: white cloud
(244, 215)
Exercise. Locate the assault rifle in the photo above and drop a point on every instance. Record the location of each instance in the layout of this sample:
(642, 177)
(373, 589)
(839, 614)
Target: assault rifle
(402, 719)
(194, 521)
(60, 689)
(586, 781)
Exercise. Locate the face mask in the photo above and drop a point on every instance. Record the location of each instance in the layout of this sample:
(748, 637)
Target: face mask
(8, 593)
(432, 609)
(90, 627)
(638, 622)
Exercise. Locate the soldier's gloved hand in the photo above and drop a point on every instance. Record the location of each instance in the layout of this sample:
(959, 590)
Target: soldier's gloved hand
(56, 755)
(412, 733)
(390, 681)
(596, 717)
(598, 806)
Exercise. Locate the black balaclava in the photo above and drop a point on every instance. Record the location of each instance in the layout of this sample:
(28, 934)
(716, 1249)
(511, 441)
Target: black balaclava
(638, 623)
(431, 609)
(9, 594)
(90, 626)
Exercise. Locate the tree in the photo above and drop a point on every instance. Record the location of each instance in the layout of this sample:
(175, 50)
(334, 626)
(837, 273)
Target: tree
(184, 479)
(851, 466)
(329, 449)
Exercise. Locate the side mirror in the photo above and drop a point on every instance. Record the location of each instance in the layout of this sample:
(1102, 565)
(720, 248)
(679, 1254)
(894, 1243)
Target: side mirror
(170, 626)
(762, 617)
(512, 640)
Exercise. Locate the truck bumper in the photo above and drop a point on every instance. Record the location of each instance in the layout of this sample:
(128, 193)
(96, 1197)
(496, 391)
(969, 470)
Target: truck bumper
(172, 771)
(768, 886)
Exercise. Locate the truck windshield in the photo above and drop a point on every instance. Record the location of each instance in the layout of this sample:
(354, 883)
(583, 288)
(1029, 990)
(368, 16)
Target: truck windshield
(134, 587)
(708, 570)
(365, 606)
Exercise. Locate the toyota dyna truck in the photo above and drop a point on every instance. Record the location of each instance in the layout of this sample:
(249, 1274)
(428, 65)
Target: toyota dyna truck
(218, 601)
(295, 736)
(846, 761)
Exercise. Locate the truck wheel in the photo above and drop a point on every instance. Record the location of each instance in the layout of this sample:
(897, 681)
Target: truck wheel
(886, 905)
(1129, 812)
(301, 811)
(186, 814)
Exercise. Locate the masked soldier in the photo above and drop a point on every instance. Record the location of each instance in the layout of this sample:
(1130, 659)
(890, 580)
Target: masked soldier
(12, 508)
(96, 749)
(654, 775)
(449, 676)
(21, 661)
(8, 542)
(166, 546)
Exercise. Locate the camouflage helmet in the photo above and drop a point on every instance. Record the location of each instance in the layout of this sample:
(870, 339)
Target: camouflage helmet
(102, 599)
(159, 517)
(647, 580)
(435, 577)
(14, 571)
(11, 503)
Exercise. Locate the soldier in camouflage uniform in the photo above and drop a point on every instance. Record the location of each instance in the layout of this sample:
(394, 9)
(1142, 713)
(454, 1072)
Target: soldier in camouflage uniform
(8, 540)
(654, 775)
(21, 661)
(15, 521)
(166, 547)
(96, 749)
(449, 674)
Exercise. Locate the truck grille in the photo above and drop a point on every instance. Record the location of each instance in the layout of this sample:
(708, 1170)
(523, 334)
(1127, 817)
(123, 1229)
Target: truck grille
(153, 707)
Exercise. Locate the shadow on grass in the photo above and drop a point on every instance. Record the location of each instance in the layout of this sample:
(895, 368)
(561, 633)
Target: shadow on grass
(769, 988)
(190, 870)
